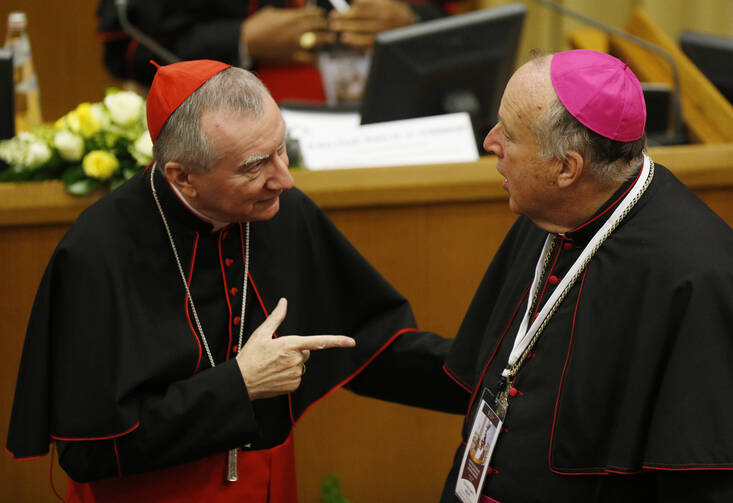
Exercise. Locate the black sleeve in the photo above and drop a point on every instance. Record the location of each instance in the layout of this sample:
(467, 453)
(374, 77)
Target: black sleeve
(181, 423)
(427, 11)
(187, 28)
(410, 371)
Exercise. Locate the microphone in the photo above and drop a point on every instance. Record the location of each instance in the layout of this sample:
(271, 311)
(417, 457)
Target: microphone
(675, 134)
(164, 54)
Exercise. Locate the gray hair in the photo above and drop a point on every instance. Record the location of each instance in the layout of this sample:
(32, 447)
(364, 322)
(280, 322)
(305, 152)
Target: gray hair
(557, 131)
(182, 138)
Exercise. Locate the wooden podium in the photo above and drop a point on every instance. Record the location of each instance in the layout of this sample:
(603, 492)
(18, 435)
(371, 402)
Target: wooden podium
(431, 230)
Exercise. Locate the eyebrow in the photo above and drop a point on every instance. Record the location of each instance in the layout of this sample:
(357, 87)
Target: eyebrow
(261, 157)
(255, 159)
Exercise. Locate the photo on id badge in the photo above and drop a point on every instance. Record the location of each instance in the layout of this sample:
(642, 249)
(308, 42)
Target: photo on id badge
(476, 458)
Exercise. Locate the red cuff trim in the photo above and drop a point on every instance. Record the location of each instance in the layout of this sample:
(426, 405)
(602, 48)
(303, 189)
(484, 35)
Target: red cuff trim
(345, 381)
(28, 458)
(108, 437)
(456, 380)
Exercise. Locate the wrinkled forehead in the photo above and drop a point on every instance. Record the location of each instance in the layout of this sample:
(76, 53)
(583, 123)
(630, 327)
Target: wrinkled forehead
(528, 94)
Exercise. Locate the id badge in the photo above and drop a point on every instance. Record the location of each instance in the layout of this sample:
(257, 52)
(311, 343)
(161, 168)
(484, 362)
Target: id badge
(477, 455)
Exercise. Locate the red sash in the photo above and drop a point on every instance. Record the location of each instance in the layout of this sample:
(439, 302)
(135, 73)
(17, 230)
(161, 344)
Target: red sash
(266, 476)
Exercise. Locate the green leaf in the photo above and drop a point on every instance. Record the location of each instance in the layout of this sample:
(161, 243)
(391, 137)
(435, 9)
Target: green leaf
(10, 175)
(73, 174)
(111, 90)
(331, 490)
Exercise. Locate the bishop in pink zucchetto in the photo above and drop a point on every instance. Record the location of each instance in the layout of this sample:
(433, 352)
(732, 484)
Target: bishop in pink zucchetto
(601, 92)
(606, 291)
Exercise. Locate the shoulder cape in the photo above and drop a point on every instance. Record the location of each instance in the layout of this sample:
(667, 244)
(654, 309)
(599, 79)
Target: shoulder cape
(648, 368)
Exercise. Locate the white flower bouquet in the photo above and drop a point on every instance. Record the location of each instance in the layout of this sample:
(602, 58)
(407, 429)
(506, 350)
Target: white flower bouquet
(94, 144)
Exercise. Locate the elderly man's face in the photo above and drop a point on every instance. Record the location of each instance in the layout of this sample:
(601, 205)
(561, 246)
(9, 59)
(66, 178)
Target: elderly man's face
(527, 178)
(252, 170)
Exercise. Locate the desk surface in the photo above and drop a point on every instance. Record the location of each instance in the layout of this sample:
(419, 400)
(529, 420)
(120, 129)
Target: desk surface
(698, 166)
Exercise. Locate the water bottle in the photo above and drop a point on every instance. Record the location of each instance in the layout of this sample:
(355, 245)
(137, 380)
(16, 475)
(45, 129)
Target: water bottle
(27, 97)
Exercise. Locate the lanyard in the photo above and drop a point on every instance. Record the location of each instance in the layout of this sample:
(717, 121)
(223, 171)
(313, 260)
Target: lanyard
(528, 334)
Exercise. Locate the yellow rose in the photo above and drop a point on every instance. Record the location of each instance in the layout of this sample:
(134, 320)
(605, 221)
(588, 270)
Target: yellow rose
(82, 120)
(100, 164)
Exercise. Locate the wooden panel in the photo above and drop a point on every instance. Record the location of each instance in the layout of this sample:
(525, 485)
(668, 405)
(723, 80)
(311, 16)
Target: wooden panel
(432, 242)
(591, 39)
(24, 252)
(707, 113)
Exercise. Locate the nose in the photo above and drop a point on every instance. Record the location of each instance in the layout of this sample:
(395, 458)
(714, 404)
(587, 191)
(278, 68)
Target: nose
(492, 142)
(280, 178)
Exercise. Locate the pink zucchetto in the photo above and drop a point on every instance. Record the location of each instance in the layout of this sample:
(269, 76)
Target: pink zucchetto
(171, 86)
(601, 92)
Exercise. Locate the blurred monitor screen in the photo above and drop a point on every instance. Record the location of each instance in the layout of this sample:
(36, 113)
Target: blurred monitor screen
(7, 109)
(713, 55)
(456, 64)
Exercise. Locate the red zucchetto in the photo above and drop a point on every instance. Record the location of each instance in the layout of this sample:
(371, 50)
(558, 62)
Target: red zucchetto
(172, 85)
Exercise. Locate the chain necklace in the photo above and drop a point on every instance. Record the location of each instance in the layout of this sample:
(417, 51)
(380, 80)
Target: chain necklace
(232, 475)
(512, 369)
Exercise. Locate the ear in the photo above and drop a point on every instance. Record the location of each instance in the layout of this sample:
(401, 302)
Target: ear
(180, 176)
(571, 169)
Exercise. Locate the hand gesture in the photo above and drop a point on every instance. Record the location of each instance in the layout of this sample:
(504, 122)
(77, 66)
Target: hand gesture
(359, 25)
(274, 35)
(272, 367)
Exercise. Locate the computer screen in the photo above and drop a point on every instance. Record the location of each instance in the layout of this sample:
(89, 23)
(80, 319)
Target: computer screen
(713, 55)
(455, 64)
(7, 109)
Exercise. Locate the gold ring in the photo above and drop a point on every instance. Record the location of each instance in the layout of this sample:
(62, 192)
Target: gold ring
(307, 40)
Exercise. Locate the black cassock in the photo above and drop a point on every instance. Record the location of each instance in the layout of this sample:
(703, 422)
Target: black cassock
(627, 395)
(112, 352)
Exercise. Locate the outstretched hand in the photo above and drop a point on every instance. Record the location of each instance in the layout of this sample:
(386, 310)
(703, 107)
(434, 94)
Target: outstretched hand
(272, 367)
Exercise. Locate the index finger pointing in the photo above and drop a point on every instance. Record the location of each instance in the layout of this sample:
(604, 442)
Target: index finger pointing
(315, 342)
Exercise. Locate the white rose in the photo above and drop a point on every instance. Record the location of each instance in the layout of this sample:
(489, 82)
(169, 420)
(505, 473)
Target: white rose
(101, 114)
(38, 153)
(142, 149)
(69, 145)
(125, 107)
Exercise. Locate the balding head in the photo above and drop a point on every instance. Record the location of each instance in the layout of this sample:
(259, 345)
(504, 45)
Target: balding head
(557, 131)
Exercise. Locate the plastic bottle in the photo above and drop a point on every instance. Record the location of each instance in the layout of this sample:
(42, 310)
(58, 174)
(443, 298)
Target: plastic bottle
(27, 97)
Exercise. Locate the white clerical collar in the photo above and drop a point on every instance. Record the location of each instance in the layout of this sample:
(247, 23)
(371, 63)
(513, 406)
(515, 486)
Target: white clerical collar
(217, 225)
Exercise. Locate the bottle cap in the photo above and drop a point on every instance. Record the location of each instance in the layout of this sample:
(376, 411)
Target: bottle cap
(17, 19)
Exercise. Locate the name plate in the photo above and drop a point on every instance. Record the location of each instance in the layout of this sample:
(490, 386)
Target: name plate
(427, 140)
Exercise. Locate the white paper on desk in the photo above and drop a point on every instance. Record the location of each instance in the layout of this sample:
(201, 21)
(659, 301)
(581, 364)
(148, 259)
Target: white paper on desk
(302, 123)
(427, 140)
